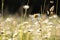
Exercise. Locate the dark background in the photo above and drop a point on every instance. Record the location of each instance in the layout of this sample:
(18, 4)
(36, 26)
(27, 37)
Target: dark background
(35, 5)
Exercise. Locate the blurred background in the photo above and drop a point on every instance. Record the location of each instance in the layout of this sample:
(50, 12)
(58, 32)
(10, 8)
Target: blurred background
(13, 6)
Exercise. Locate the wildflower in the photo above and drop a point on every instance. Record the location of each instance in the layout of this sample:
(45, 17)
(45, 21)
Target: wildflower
(9, 19)
(31, 16)
(2, 32)
(25, 23)
(38, 31)
(26, 6)
(36, 23)
(35, 15)
(51, 1)
(52, 8)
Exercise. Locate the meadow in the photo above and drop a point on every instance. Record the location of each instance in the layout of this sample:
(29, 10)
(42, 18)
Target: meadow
(33, 27)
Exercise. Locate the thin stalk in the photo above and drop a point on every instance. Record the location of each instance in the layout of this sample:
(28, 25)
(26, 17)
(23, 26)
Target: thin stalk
(2, 7)
(21, 35)
(0, 37)
(25, 12)
(12, 36)
(28, 35)
(27, 2)
(44, 5)
(26, 9)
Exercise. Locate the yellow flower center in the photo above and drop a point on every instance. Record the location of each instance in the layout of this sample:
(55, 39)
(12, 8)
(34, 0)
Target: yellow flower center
(35, 15)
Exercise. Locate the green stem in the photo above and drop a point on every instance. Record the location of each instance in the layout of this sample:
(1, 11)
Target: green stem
(2, 7)
(0, 37)
(25, 13)
(12, 36)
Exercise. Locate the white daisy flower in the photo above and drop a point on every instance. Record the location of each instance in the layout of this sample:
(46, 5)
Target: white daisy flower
(9, 20)
(26, 6)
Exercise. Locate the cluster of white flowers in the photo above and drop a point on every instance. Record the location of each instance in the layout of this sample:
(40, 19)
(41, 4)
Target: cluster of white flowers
(35, 25)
